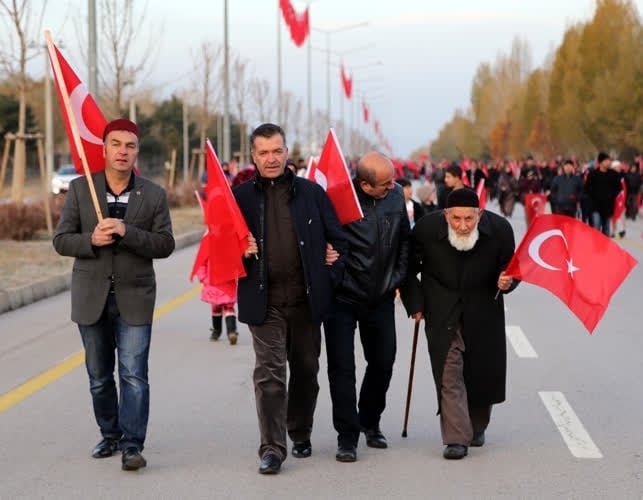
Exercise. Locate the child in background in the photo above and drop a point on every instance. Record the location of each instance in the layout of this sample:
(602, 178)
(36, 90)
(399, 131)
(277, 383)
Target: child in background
(222, 299)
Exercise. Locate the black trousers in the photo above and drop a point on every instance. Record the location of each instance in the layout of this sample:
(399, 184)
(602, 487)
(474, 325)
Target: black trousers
(287, 336)
(377, 335)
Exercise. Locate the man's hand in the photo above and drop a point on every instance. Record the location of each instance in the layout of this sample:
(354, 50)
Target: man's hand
(331, 255)
(105, 230)
(418, 316)
(252, 249)
(504, 281)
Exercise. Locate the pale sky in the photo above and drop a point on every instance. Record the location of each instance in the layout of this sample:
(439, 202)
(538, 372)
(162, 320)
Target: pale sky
(429, 50)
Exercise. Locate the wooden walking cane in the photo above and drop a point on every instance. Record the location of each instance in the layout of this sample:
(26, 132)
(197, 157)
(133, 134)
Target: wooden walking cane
(416, 329)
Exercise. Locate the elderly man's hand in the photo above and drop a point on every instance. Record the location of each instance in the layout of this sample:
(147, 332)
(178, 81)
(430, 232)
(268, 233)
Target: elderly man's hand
(504, 282)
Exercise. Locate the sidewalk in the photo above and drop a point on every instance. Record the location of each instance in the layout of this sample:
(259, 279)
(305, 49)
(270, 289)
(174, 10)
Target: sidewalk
(14, 298)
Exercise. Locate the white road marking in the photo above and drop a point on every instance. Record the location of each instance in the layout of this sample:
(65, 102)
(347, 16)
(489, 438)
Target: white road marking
(570, 427)
(519, 342)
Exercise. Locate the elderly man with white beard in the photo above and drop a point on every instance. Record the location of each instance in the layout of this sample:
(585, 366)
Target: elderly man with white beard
(456, 284)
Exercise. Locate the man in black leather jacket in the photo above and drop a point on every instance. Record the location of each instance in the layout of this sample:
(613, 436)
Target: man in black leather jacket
(374, 268)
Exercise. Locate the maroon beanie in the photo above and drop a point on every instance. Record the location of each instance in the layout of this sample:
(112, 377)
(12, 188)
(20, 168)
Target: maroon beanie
(121, 124)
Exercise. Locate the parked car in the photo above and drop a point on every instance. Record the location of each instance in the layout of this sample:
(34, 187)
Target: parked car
(62, 177)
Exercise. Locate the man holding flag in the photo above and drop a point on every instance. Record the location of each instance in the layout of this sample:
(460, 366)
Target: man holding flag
(461, 255)
(292, 263)
(113, 286)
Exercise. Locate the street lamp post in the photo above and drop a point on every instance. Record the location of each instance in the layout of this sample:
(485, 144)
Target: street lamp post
(329, 32)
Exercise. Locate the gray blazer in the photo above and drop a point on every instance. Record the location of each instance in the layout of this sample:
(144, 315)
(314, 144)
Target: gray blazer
(128, 262)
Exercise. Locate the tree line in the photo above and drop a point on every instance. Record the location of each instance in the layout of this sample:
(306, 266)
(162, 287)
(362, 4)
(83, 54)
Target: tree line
(587, 97)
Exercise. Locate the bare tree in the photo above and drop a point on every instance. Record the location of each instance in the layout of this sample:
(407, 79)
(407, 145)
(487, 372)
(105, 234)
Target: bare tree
(292, 111)
(260, 97)
(18, 45)
(119, 33)
(240, 84)
(207, 64)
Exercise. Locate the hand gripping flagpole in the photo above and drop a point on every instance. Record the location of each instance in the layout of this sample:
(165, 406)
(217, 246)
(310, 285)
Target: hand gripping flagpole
(72, 122)
(416, 330)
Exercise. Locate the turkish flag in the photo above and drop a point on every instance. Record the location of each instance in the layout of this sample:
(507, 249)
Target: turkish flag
(365, 112)
(298, 24)
(578, 264)
(89, 118)
(534, 205)
(619, 202)
(482, 193)
(331, 173)
(347, 83)
(227, 236)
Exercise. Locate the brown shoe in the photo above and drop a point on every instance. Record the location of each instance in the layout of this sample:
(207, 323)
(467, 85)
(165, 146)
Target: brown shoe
(232, 338)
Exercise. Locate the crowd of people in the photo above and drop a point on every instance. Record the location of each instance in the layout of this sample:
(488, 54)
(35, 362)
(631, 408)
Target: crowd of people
(591, 191)
(304, 271)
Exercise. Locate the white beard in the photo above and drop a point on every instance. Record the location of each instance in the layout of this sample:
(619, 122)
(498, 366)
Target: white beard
(463, 243)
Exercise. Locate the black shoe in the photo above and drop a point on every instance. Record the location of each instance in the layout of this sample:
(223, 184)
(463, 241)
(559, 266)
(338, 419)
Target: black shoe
(455, 452)
(270, 464)
(621, 234)
(106, 448)
(478, 439)
(375, 438)
(302, 449)
(214, 336)
(132, 459)
(346, 453)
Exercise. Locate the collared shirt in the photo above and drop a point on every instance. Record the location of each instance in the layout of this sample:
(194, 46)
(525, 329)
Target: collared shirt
(117, 203)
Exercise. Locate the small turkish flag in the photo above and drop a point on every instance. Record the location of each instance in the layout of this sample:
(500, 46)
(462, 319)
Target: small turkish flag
(619, 202)
(88, 116)
(534, 205)
(227, 236)
(331, 173)
(482, 193)
(578, 264)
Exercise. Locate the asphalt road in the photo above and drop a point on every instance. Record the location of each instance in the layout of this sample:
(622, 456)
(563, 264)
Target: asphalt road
(570, 428)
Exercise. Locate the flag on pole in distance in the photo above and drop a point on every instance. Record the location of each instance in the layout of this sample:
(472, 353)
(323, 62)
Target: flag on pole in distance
(331, 173)
(619, 203)
(227, 237)
(482, 193)
(534, 205)
(578, 264)
(89, 118)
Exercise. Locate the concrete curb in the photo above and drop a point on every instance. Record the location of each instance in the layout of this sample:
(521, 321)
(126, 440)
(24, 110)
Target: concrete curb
(16, 297)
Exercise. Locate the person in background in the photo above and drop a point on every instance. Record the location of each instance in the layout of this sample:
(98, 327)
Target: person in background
(414, 209)
(427, 196)
(602, 186)
(293, 261)
(460, 256)
(566, 190)
(113, 287)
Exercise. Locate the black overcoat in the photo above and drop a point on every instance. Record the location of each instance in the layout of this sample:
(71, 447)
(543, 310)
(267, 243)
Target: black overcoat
(457, 285)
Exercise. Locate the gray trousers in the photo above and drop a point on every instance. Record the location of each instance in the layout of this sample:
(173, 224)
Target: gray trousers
(286, 339)
(458, 422)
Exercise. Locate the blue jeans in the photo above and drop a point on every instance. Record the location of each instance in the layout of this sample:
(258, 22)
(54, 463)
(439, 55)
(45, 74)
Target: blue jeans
(126, 420)
(377, 335)
(601, 222)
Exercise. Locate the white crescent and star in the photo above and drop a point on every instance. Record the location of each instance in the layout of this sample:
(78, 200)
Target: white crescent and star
(534, 251)
(76, 99)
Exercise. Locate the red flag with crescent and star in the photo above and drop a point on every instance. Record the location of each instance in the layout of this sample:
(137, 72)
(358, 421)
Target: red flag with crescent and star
(89, 118)
(534, 205)
(331, 173)
(226, 239)
(578, 264)
(619, 202)
(482, 194)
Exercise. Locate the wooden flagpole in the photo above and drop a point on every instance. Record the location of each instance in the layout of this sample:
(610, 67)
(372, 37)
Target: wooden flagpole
(72, 122)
